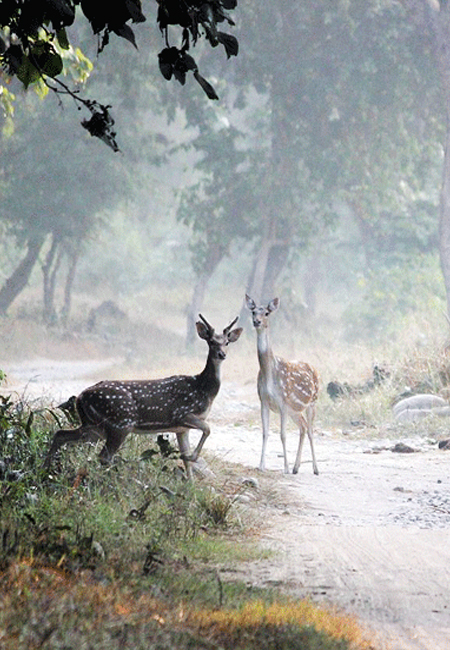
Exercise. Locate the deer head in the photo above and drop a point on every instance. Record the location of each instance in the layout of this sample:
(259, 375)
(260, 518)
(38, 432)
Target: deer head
(261, 314)
(217, 342)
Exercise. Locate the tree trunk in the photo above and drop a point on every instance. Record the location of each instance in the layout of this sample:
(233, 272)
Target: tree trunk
(49, 270)
(276, 263)
(65, 311)
(269, 262)
(198, 296)
(436, 17)
(311, 281)
(215, 255)
(255, 285)
(365, 231)
(444, 217)
(277, 206)
(18, 280)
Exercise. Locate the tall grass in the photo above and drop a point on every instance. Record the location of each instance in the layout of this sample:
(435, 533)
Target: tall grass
(128, 556)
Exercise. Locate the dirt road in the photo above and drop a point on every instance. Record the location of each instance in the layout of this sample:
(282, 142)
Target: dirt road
(370, 534)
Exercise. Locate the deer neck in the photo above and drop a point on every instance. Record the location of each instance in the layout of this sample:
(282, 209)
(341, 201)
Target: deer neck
(265, 355)
(209, 378)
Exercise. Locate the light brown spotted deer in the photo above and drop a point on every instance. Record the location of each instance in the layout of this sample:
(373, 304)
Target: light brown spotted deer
(289, 387)
(110, 410)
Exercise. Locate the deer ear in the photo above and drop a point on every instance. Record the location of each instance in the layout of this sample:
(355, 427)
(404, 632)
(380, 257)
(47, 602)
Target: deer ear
(273, 305)
(250, 303)
(202, 330)
(235, 334)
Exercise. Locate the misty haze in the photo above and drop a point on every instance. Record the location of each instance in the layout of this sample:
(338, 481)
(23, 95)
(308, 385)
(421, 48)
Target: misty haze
(296, 153)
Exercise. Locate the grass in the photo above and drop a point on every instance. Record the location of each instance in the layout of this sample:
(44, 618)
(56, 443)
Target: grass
(132, 556)
(56, 609)
(276, 625)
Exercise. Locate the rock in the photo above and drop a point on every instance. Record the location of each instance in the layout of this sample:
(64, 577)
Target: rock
(242, 498)
(98, 550)
(107, 318)
(336, 389)
(409, 415)
(375, 450)
(442, 411)
(401, 448)
(249, 481)
(444, 444)
(201, 469)
(415, 404)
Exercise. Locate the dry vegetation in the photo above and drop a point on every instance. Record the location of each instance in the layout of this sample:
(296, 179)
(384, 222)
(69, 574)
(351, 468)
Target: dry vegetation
(131, 557)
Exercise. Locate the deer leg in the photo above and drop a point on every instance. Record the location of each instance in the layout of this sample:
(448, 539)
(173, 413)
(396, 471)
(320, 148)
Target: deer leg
(302, 433)
(306, 427)
(114, 440)
(192, 422)
(310, 413)
(265, 419)
(283, 418)
(70, 436)
(183, 446)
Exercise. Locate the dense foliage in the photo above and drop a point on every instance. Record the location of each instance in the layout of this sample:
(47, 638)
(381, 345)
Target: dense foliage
(121, 557)
(318, 172)
(34, 42)
(345, 129)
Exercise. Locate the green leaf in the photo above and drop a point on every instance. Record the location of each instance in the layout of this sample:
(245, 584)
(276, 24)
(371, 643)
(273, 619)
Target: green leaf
(229, 42)
(167, 58)
(52, 65)
(179, 74)
(127, 33)
(187, 61)
(63, 41)
(27, 73)
(64, 13)
(134, 8)
(209, 90)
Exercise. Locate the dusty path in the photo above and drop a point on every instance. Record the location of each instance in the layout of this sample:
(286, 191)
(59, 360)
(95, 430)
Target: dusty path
(370, 534)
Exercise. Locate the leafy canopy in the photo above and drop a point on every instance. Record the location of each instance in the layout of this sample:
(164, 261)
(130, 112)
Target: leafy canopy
(34, 40)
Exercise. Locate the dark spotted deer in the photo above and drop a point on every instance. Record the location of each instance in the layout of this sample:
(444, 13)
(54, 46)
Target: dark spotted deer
(110, 410)
(289, 387)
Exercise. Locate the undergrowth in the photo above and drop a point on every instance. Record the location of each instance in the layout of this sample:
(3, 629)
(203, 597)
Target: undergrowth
(365, 407)
(130, 556)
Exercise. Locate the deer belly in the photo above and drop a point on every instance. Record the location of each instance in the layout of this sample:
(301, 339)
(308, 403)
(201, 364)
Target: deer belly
(157, 427)
(269, 394)
(175, 418)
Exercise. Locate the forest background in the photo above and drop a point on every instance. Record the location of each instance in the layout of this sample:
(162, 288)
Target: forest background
(320, 175)
(317, 175)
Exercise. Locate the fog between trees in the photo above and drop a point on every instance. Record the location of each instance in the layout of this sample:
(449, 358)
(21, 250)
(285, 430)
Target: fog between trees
(316, 176)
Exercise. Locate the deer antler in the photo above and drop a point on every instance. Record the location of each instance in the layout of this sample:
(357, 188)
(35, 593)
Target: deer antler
(210, 328)
(227, 329)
